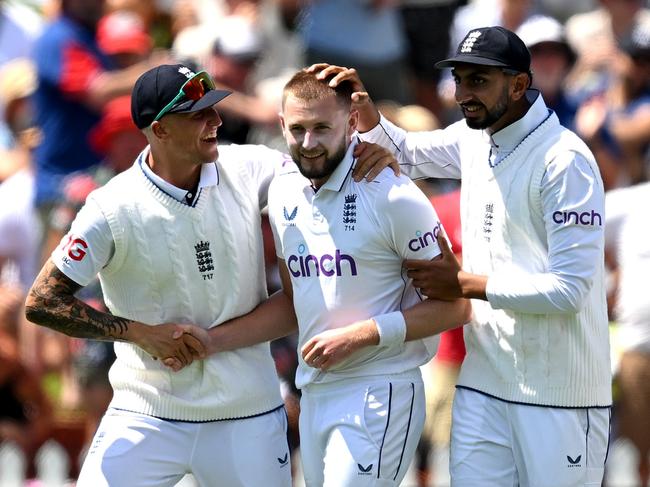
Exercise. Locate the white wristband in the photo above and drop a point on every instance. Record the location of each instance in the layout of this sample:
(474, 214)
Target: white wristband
(391, 328)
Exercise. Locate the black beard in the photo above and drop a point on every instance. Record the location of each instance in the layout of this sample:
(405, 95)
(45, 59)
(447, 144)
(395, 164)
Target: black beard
(493, 116)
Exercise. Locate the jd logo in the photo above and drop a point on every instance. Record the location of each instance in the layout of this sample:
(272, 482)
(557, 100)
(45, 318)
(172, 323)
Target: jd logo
(283, 461)
(574, 462)
(364, 470)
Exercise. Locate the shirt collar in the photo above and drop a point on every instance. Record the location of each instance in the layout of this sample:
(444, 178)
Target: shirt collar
(209, 177)
(506, 139)
(336, 180)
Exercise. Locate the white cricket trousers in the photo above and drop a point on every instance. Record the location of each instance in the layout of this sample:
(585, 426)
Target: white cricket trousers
(361, 432)
(135, 450)
(495, 443)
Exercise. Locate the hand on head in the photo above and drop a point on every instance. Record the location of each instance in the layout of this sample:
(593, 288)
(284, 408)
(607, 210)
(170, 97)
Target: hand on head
(360, 96)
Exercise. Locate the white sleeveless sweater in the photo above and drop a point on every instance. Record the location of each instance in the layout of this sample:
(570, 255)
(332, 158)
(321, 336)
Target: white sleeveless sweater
(201, 265)
(543, 359)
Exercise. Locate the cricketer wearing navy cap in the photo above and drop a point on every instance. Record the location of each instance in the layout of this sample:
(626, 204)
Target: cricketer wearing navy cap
(176, 240)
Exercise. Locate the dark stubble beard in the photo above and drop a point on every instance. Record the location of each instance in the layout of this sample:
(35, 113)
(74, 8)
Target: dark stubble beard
(332, 161)
(493, 115)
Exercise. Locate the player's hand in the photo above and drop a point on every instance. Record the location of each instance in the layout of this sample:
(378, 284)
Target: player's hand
(331, 347)
(371, 160)
(438, 278)
(196, 339)
(165, 340)
(361, 101)
(591, 117)
(323, 70)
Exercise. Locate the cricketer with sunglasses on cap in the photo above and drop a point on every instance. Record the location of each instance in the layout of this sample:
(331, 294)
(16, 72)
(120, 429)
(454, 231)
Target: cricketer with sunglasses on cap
(176, 240)
(532, 405)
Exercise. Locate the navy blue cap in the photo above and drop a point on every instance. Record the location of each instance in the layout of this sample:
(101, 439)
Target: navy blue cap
(491, 46)
(156, 88)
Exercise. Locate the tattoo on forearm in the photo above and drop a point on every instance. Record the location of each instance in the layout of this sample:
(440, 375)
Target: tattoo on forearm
(51, 303)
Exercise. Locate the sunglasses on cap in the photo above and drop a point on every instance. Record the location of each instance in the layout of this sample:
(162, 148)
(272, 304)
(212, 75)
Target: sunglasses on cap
(193, 89)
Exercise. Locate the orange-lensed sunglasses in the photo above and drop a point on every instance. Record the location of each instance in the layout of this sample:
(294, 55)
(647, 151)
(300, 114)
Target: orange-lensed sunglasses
(193, 89)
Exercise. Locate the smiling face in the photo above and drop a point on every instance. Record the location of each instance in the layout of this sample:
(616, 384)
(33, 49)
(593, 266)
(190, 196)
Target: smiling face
(487, 95)
(193, 136)
(318, 129)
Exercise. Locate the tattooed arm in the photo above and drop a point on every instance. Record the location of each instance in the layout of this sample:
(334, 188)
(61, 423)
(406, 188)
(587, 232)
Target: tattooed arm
(51, 302)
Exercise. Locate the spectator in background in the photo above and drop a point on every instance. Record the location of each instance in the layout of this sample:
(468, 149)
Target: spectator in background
(25, 412)
(20, 27)
(235, 45)
(551, 61)
(594, 36)
(426, 46)
(119, 141)
(616, 123)
(366, 34)
(153, 13)
(19, 228)
(75, 80)
(235, 52)
(197, 24)
(122, 36)
(627, 236)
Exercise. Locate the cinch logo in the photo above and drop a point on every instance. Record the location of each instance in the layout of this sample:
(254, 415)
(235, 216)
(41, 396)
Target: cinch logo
(573, 462)
(585, 218)
(328, 265)
(424, 240)
(74, 247)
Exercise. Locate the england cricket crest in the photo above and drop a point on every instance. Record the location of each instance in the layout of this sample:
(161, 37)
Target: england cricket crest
(204, 260)
(488, 216)
(350, 212)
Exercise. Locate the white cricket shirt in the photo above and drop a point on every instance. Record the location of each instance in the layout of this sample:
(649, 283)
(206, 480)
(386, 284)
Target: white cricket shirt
(344, 246)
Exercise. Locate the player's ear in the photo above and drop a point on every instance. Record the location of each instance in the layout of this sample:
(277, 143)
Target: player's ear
(521, 82)
(353, 121)
(159, 130)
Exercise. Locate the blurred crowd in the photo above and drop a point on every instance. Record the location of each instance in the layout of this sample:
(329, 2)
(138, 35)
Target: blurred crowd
(67, 68)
